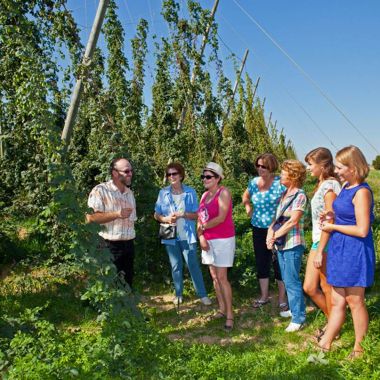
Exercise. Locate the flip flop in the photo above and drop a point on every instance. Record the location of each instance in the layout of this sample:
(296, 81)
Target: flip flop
(259, 303)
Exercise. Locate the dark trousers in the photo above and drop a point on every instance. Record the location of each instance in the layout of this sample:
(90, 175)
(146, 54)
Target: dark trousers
(123, 254)
(263, 255)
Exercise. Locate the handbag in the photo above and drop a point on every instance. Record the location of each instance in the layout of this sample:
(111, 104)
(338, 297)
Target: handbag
(167, 231)
(281, 219)
(280, 241)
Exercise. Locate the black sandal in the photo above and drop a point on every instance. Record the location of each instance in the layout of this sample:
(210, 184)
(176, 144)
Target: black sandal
(229, 327)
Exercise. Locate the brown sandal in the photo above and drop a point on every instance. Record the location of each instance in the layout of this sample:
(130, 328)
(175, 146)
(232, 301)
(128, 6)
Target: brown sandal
(217, 315)
(283, 306)
(259, 303)
(355, 354)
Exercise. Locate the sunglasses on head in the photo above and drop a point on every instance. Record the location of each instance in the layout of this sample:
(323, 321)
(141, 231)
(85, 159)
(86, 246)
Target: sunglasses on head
(258, 166)
(172, 174)
(207, 176)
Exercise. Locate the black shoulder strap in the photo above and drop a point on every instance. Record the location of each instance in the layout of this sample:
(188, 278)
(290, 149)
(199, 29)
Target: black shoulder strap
(287, 205)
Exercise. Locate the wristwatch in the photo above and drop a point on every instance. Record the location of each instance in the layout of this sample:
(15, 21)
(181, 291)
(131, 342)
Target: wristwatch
(203, 227)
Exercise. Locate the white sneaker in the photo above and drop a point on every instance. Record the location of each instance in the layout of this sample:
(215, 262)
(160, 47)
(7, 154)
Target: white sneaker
(294, 327)
(206, 301)
(177, 300)
(285, 314)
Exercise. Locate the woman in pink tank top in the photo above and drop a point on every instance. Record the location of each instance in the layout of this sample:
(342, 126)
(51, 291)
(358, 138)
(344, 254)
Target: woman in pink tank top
(216, 234)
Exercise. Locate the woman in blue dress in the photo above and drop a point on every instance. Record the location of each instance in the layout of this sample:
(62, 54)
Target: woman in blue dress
(351, 253)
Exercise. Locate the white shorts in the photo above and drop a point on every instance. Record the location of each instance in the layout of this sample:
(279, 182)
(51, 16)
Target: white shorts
(221, 253)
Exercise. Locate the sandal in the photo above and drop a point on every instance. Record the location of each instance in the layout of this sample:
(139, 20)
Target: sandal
(283, 306)
(321, 348)
(259, 303)
(355, 354)
(319, 334)
(217, 315)
(229, 327)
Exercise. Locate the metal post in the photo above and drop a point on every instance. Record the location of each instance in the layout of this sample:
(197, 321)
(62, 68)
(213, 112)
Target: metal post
(91, 44)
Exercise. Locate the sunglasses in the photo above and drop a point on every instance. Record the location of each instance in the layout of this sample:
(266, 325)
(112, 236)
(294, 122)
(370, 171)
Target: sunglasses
(171, 174)
(127, 171)
(207, 176)
(258, 166)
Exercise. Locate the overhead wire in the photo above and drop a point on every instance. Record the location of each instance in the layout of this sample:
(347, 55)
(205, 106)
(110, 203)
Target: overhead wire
(307, 76)
(283, 87)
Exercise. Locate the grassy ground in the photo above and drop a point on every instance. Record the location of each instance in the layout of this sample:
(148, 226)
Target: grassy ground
(63, 338)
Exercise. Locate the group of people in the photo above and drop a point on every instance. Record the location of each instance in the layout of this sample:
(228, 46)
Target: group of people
(341, 261)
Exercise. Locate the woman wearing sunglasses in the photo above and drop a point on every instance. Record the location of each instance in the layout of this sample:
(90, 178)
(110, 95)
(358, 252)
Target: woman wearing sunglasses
(216, 233)
(178, 204)
(264, 193)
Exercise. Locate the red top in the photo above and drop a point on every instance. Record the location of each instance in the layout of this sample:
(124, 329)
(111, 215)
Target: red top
(208, 211)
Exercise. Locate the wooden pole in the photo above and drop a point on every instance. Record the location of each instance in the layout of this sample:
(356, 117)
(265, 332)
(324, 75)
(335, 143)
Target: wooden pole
(203, 46)
(77, 92)
(269, 120)
(256, 85)
(236, 84)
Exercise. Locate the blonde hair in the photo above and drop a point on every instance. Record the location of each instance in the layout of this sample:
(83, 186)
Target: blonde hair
(353, 157)
(296, 171)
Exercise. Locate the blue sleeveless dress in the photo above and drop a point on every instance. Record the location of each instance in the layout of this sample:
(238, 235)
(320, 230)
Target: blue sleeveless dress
(350, 259)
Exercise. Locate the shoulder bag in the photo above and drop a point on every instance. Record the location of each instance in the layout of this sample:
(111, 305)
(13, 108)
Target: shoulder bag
(281, 219)
(168, 231)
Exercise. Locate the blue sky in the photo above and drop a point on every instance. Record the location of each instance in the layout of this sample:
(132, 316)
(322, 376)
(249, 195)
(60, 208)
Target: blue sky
(336, 42)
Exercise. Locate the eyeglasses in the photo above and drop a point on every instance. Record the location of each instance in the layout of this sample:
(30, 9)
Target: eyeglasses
(258, 166)
(126, 171)
(171, 174)
(207, 176)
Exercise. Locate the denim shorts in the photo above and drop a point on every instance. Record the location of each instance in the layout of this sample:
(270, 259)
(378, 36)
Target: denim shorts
(314, 247)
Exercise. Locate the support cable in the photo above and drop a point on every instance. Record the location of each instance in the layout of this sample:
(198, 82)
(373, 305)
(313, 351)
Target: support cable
(308, 77)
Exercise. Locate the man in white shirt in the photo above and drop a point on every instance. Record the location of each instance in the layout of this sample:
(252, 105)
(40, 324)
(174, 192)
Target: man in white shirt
(114, 208)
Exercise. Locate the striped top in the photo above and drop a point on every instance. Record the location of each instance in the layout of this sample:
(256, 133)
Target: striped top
(106, 197)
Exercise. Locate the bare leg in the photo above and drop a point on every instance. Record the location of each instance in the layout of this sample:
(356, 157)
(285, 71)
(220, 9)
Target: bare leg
(356, 302)
(219, 297)
(264, 288)
(337, 316)
(311, 283)
(281, 292)
(226, 292)
(326, 288)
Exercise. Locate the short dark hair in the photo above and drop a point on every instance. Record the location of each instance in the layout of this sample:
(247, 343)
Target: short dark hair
(177, 166)
(270, 161)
